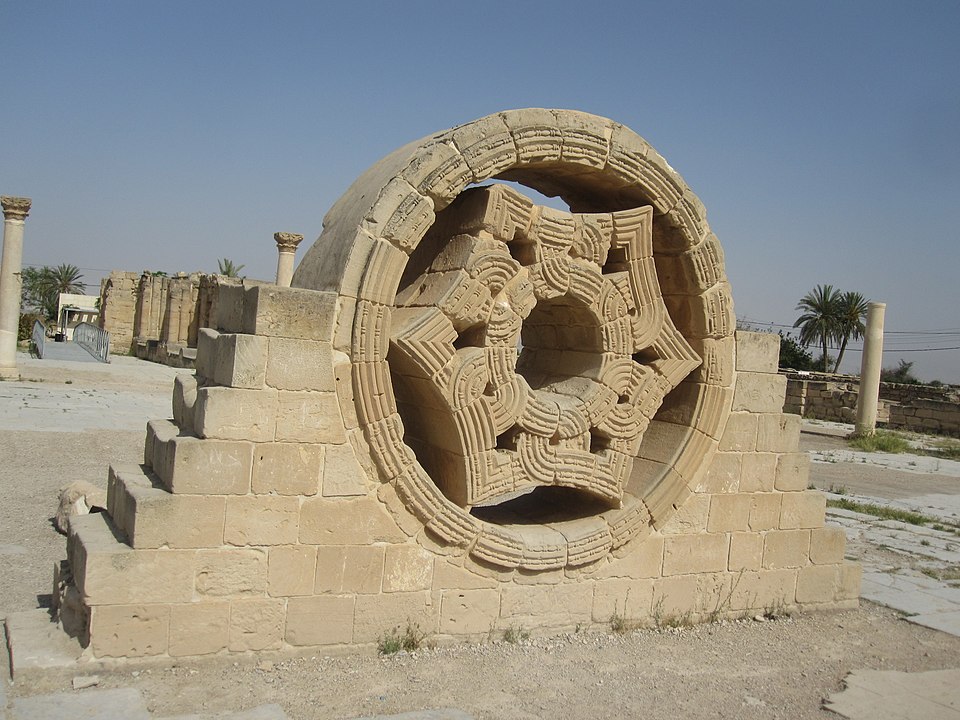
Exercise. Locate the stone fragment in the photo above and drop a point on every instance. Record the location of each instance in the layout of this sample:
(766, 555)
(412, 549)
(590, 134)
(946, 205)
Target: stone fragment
(78, 498)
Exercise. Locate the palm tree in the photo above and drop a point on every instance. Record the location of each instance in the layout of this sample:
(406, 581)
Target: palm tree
(65, 278)
(852, 308)
(228, 268)
(820, 320)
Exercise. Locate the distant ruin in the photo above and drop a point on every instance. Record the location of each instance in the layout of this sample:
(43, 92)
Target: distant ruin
(470, 413)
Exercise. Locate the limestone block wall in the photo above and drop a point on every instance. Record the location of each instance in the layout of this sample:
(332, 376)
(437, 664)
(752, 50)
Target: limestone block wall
(118, 306)
(256, 522)
(914, 408)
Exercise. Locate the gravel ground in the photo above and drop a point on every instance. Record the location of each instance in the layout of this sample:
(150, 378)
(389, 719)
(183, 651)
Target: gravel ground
(749, 669)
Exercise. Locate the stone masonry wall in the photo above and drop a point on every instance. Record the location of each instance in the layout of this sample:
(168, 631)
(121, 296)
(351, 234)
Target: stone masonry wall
(258, 522)
(914, 408)
(118, 306)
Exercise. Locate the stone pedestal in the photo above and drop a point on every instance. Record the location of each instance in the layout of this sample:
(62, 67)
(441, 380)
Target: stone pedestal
(15, 211)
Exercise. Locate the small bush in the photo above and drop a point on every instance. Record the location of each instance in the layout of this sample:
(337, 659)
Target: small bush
(395, 641)
(514, 635)
(881, 441)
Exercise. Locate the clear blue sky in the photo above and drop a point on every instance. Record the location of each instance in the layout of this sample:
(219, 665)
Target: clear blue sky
(823, 137)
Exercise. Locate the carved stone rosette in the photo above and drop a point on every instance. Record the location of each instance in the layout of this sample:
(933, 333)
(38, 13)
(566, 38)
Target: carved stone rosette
(539, 387)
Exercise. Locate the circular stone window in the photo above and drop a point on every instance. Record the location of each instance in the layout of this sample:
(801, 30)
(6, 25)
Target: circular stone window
(539, 386)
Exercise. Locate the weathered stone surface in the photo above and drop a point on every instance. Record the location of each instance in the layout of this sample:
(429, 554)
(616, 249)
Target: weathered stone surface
(627, 599)
(289, 313)
(740, 433)
(468, 612)
(309, 417)
(118, 631)
(287, 468)
(778, 433)
(827, 545)
(350, 569)
(229, 573)
(346, 521)
(793, 472)
(546, 606)
(685, 554)
(295, 364)
(77, 498)
(199, 628)
(757, 352)
(759, 393)
(377, 615)
(230, 414)
(407, 568)
(256, 624)
(261, 520)
(802, 510)
(786, 549)
(291, 570)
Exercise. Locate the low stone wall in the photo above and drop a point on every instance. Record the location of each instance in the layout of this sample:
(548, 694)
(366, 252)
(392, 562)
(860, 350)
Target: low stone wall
(916, 408)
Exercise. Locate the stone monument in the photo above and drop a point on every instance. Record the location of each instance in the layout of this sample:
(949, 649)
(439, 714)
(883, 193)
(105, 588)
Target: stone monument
(470, 413)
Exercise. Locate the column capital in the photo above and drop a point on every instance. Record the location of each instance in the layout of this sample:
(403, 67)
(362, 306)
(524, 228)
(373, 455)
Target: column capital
(287, 242)
(15, 208)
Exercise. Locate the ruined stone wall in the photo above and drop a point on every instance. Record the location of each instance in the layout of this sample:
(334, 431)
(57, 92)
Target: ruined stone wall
(916, 408)
(118, 307)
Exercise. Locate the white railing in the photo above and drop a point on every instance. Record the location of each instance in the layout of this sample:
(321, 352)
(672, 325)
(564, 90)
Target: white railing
(94, 340)
(38, 338)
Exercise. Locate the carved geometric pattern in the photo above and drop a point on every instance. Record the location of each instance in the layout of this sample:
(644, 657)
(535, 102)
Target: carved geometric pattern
(618, 300)
(539, 343)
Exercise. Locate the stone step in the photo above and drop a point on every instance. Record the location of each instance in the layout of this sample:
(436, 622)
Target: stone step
(107, 571)
(184, 463)
(152, 517)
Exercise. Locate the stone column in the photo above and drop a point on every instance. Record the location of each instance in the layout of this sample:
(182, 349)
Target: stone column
(870, 363)
(287, 247)
(15, 210)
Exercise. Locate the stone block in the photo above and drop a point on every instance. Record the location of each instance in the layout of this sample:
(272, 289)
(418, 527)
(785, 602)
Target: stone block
(683, 554)
(827, 545)
(757, 352)
(378, 615)
(231, 573)
(233, 414)
(765, 511)
(802, 510)
(786, 549)
(759, 393)
(729, 513)
(759, 472)
(291, 570)
(199, 628)
(118, 631)
(851, 575)
(262, 520)
(818, 584)
(447, 576)
(674, 599)
(349, 569)
(287, 468)
(240, 361)
(342, 473)
(723, 475)
(346, 521)
(228, 310)
(309, 417)
(746, 551)
(109, 572)
(191, 466)
(468, 612)
(778, 433)
(628, 599)
(272, 311)
(740, 433)
(184, 401)
(643, 559)
(294, 364)
(793, 472)
(546, 606)
(407, 568)
(690, 517)
(256, 624)
(766, 590)
(151, 517)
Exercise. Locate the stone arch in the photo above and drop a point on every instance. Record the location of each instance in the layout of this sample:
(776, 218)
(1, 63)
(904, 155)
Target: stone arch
(596, 166)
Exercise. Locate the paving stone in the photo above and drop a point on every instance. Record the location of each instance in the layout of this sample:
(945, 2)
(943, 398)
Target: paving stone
(126, 703)
(892, 695)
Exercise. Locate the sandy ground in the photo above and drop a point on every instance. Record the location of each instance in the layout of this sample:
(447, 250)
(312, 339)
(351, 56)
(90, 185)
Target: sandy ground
(749, 669)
